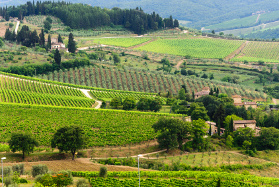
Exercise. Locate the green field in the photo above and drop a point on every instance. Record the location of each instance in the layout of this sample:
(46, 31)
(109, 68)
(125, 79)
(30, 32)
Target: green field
(102, 127)
(197, 48)
(27, 92)
(242, 22)
(121, 42)
(255, 51)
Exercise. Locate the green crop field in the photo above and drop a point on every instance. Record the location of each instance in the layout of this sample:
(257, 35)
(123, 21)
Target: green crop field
(197, 48)
(242, 22)
(255, 51)
(121, 42)
(130, 79)
(177, 178)
(27, 92)
(101, 127)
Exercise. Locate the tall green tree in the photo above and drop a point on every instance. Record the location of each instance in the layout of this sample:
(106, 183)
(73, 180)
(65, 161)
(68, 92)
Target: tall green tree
(172, 132)
(48, 42)
(42, 38)
(199, 130)
(71, 44)
(220, 114)
(116, 102)
(182, 94)
(60, 40)
(22, 142)
(69, 138)
(57, 58)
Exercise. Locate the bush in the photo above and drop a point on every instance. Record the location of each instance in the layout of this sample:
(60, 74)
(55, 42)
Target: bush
(7, 171)
(39, 170)
(103, 172)
(82, 183)
(22, 181)
(18, 168)
(8, 181)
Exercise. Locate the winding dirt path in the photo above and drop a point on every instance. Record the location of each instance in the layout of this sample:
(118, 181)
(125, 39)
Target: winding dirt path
(86, 93)
(258, 18)
(17, 25)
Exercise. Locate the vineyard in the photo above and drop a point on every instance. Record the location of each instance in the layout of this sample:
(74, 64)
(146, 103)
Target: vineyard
(140, 80)
(112, 94)
(121, 42)
(198, 48)
(255, 51)
(177, 178)
(39, 21)
(102, 127)
(21, 91)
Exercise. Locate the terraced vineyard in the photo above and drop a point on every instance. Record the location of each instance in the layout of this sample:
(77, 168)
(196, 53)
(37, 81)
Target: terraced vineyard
(177, 178)
(143, 81)
(255, 51)
(198, 48)
(102, 127)
(121, 42)
(27, 92)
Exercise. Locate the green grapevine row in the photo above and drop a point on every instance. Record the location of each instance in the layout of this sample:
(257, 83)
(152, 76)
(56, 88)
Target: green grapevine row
(223, 176)
(102, 127)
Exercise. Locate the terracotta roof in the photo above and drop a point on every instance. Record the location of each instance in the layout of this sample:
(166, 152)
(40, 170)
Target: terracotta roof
(210, 123)
(250, 103)
(243, 121)
(202, 93)
(236, 96)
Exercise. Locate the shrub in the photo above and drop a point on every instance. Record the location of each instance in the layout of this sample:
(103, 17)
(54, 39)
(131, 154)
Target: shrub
(8, 181)
(22, 181)
(82, 183)
(7, 171)
(39, 170)
(63, 178)
(18, 168)
(103, 172)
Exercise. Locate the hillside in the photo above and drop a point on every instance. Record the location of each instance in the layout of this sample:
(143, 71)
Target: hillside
(130, 79)
(200, 13)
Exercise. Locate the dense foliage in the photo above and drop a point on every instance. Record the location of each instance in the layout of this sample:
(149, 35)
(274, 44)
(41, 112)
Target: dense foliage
(78, 16)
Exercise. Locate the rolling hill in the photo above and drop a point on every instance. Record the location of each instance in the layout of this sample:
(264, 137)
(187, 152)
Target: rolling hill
(199, 12)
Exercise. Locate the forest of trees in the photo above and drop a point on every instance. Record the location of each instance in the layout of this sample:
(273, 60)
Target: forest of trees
(80, 16)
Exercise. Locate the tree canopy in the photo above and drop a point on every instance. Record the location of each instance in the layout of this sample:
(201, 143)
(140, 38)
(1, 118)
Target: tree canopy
(22, 142)
(69, 138)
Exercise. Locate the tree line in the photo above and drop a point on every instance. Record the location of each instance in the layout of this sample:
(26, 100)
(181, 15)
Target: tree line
(81, 16)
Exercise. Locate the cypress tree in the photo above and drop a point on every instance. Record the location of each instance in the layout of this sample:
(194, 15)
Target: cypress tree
(231, 125)
(48, 42)
(218, 127)
(57, 58)
(42, 38)
(71, 44)
(60, 40)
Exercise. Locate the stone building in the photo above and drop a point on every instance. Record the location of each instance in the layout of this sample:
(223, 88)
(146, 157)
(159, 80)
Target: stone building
(238, 102)
(205, 91)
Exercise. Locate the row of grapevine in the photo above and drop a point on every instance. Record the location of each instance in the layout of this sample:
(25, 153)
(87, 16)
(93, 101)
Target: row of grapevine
(14, 90)
(104, 182)
(140, 80)
(197, 175)
(102, 127)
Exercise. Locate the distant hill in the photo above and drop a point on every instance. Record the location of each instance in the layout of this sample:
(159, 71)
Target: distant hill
(199, 12)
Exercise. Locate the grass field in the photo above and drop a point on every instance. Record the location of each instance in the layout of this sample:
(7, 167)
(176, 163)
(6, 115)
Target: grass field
(255, 51)
(197, 48)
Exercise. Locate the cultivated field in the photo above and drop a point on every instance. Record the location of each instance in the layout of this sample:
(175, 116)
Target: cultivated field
(121, 42)
(141, 80)
(198, 48)
(102, 127)
(27, 92)
(255, 51)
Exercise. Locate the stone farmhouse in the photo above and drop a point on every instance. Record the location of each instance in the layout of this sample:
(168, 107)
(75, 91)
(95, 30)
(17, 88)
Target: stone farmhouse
(246, 123)
(238, 102)
(214, 128)
(205, 91)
